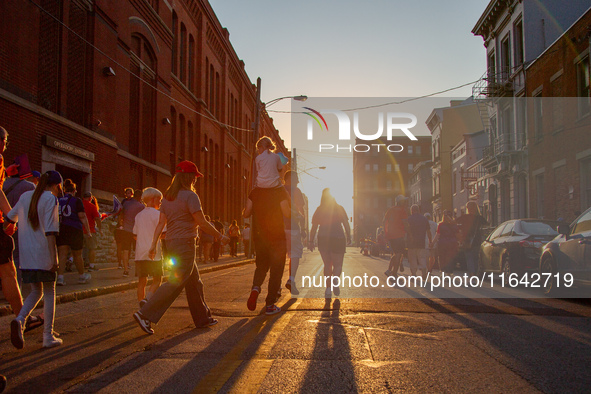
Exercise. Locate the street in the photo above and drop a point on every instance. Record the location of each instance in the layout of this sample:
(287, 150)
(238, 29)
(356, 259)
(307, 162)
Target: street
(314, 345)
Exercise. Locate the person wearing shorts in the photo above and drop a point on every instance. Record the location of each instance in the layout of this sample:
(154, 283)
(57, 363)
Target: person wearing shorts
(143, 229)
(131, 207)
(71, 236)
(10, 287)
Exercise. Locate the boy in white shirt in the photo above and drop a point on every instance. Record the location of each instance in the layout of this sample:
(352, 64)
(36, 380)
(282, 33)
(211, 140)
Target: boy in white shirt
(143, 229)
(268, 165)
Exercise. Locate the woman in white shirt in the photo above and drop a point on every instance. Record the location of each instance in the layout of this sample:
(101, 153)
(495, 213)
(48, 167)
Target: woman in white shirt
(37, 212)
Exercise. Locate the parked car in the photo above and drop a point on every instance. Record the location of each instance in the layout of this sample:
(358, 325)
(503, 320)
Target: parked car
(515, 246)
(569, 252)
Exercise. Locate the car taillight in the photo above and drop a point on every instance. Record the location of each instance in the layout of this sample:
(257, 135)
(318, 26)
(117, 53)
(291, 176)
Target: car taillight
(531, 244)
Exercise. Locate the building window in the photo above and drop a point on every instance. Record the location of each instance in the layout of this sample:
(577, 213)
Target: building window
(191, 81)
(388, 167)
(540, 195)
(491, 70)
(583, 86)
(388, 185)
(375, 184)
(410, 167)
(183, 54)
(518, 43)
(410, 149)
(396, 167)
(418, 150)
(454, 182)
(367, 167)
(375, 167)
(505, 58)
(142, 99)
(538, 117)
(175, 39)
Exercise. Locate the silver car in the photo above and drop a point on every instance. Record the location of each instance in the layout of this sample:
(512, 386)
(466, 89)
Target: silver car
(568, 253)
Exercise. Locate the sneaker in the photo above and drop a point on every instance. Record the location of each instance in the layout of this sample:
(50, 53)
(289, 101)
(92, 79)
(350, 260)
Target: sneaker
(143, 302)
(120, 266)
(84, 278)
(212, 322)
(125, 274)
(51, 341)
(401, 267)
(272, 309)
(144, 323)
(16, 334)
(336, 291)
(288, 284)
(60, 280)
(294, 289)
(92, 267)
(388, 273)
(252, 300)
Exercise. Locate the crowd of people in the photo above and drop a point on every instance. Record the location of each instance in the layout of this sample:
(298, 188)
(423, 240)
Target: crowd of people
(428, 244)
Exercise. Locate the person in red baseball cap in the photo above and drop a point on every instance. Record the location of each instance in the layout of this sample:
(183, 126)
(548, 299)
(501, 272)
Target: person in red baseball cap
(181, 212)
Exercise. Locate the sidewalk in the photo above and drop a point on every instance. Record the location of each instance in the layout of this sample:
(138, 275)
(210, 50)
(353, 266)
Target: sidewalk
(109, 279)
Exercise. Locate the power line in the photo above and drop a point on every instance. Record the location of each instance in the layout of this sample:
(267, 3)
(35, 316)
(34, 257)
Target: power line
(390, 103)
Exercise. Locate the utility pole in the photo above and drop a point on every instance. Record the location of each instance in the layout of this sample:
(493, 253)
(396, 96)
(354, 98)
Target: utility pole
(255, 137)
(294, 161)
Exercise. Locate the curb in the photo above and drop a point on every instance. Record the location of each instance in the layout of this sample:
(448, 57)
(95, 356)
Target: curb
(89, 293)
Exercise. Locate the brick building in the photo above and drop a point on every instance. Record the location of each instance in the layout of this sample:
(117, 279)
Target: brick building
(114, 94)
(448, 125)
(464, 177)
(515, 33)
(559, 110)
(378, 177)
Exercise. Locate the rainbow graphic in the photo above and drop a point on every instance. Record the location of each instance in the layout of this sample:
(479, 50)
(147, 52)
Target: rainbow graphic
(315, 118)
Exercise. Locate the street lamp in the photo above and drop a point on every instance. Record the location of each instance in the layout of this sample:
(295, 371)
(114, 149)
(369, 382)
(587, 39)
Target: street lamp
(297, 98)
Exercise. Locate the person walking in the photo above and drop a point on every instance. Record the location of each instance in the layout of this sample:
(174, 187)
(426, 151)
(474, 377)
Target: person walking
(470, 226)
(268, 208)
(217, 249)
(234, 233)
(38, 215)
(8, 275)
(395, 233)
(418, 229)
(131, 207)
(447, 242)
(246, 241)
(93, 216)
(293, 235)
(205, 242)
(143, 229)
(334, 233)
(432, 249)
(71, 236)
(181, 213)
(13, 188)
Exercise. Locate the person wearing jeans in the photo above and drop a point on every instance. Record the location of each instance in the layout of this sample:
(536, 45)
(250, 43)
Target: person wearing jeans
(181, 213)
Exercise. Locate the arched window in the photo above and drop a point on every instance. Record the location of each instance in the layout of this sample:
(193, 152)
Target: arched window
(191, 150)
(175, 41)
(142, 97)
(183, 138)
(191, 80)
(173, 151)
(183, 55)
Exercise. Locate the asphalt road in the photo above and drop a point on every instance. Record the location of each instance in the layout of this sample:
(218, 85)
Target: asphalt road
(408, 340)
